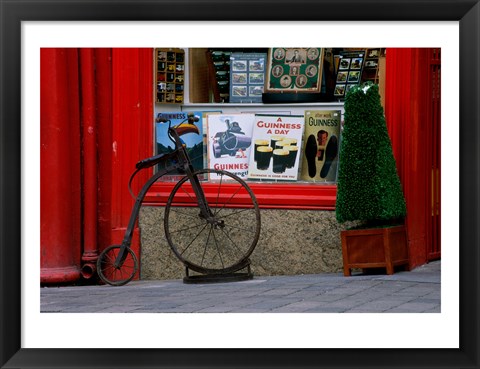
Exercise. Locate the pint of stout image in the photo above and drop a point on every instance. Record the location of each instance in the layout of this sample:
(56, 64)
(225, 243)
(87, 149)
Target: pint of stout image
(292, 155)
(264, 154)
(281, 144)
(257, 144)
(279, 160)
(290, 141)
(274, 139)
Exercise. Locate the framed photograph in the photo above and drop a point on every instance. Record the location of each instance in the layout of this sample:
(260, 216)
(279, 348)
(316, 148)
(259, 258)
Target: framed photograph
(349, 72)
(247, 77)
(15, 207)
(294, 70)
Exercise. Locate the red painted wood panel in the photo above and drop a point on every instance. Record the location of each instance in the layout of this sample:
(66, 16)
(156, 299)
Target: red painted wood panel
(414, 138)
(60, 233)
(103, 80)
(96, 123)
(131, 132)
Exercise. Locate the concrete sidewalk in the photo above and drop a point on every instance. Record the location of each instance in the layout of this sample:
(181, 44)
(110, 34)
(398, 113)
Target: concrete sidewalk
(417, 291)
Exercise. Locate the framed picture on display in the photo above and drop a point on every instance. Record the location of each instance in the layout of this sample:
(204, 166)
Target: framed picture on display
(294, 70)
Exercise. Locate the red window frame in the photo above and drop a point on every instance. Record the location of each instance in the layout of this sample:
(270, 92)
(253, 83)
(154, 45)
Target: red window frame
(302, 196)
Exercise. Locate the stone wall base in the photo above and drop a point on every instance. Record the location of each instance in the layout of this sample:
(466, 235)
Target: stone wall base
(291, 242)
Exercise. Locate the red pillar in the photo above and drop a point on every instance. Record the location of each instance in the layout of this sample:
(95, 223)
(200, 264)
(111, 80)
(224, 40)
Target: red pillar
(59, 166)
(407, 91)
(90, 159)
(104, 90)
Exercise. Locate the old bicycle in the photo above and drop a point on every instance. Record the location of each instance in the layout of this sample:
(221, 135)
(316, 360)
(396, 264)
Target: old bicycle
(212, 236)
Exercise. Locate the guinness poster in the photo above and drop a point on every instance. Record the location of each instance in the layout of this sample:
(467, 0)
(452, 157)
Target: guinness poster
(321, 146)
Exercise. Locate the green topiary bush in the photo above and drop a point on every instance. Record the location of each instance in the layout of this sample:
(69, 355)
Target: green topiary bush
(368, 188)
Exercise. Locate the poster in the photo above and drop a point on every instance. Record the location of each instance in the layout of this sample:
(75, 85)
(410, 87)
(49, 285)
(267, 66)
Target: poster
(189, 126)
(276, 147)
(229, 142)
(321, 145)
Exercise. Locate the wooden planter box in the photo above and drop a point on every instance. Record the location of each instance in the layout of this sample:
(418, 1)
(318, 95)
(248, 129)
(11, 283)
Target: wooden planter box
(374, 248)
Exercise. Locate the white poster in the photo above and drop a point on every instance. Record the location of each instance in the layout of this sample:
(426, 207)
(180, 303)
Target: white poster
(229, 142)
(277, 142)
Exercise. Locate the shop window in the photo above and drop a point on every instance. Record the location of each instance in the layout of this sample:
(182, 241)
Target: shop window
(287, 152)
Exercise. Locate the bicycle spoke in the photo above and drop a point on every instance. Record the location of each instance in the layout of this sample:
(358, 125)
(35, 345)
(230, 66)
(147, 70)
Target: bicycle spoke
(119, 275)
(241, 229)
(218, 194)
(235, 213)
(189, 228)
(227, 246)
(218, 250)
(198, 234)
(108, 267)
(126, 266)
(232, 241)
(228, 201)
(206, 245)
(188, 194)
(183, 213)
(109, 259)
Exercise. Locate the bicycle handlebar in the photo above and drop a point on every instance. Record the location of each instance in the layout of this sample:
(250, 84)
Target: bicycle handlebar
(150, 162)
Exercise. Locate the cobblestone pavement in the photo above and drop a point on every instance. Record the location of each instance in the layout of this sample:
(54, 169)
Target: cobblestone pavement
(417, 291)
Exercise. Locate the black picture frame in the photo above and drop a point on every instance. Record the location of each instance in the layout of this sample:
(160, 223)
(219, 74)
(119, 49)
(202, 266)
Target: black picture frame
(311, 83)
(467, 12)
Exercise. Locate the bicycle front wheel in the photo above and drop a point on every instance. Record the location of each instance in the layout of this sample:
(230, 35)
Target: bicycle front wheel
(221, 242)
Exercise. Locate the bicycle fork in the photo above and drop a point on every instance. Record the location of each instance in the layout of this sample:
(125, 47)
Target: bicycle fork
(205, 210)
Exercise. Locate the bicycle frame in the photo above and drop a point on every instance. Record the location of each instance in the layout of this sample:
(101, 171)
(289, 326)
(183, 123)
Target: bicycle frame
(184, 163)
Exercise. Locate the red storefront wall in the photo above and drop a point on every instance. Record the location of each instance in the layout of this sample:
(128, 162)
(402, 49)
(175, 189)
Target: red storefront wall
(412, 111)
(96, 123)
(96, 106)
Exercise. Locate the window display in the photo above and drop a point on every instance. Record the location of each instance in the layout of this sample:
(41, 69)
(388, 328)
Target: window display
(301, 170)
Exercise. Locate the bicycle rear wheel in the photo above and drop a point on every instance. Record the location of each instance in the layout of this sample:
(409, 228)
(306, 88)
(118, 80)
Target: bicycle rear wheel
(222, 242)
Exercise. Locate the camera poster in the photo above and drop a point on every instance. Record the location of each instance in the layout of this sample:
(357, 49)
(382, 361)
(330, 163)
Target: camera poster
(247, 77)
(277, 141)
(229, 142)
(294, 69)
(321, 146)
